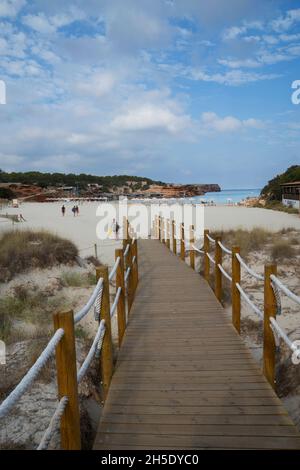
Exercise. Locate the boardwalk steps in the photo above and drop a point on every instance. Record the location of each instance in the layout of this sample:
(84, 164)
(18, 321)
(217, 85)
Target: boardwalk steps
(184, 378)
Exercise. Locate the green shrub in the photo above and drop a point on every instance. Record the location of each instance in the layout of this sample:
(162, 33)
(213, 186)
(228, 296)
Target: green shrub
(23, 250)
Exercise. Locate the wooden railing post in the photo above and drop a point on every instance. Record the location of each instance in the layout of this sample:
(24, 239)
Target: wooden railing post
(269, 348)
(67, 381)
(182, 243)
(159, 228)
(235, 293)
(163, 230)
(107, 348)
(174, 242)
(121, 304)
(135, 266)
(125, 228)
(206, 258)
(218, 273)
(128, 263)
(168, 233)
(192, 251)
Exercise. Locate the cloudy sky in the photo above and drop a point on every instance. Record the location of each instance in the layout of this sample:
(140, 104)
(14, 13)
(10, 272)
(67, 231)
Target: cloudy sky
(177, 90)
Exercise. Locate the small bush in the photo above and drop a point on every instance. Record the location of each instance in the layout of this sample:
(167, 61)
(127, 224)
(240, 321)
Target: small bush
(77, 279)
(247, 240)
(23, 250)
(282, 250)
(29, 306)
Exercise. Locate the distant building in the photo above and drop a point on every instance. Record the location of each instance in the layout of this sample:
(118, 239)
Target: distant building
(291, 194)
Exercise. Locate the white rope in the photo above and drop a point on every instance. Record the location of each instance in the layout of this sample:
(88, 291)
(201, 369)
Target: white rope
(224, 272)
(211, 239)
(127, 273)
(211, 258)
(87, 362)
(197, 249)
(133, 260)
(132, 241)
(114, 269)
(97, 305)
(31, 375)
(114, 305)
(79, 315)
(283, 334)
(54, 424)
(126, 250)
(224, 248)
(249, 302)
(248, 269)
(284, 289)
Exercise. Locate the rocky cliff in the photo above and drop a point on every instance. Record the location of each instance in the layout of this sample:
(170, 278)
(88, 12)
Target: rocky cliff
(183, 190)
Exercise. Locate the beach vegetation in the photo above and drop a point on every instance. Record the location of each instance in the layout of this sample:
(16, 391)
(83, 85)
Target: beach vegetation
(247, 240)
(25, 249)
(78, 279)
(282, 250)
(272, 190)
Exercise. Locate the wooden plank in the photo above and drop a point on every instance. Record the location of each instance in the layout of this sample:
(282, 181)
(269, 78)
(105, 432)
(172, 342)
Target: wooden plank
(198, 429)
(184, 378)
(199, 442)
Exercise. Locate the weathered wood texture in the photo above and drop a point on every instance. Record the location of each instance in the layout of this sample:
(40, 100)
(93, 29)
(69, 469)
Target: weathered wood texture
(184, 378)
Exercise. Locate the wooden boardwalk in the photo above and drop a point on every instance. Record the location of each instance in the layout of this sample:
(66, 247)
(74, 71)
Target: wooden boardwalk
(184, 378)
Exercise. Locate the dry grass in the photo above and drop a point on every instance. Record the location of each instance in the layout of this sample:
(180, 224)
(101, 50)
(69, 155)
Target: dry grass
(23, 250)
(30, 306)
(247, 240)
(282, 250)
(77, 279)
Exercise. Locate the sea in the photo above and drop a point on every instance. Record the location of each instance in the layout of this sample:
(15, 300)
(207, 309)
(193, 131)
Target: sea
(229, 196)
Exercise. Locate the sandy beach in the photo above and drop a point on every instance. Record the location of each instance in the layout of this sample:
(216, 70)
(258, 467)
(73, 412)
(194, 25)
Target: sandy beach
(82, 229)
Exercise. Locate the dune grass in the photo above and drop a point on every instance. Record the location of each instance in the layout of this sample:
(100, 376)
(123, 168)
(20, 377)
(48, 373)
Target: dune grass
(282, 250)
(26, 249)
(247, 240)
(29, 306)
(77, 279)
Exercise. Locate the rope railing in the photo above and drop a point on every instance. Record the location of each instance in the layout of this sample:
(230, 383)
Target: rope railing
(115, 304)
(85, 310)
(285, 289)
(31, 375)
(224, 272)
(249, 301)
(96, 346)
(212, 240)
(271, 284)
(114, 269)
(226, 250)
(210, 258)
(66, 359)
(54, 424)
(248, 269)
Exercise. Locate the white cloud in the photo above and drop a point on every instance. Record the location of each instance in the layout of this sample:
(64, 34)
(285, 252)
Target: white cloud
(235, 64)
(212, 122)
(233, 32)
(283, 23)
(98, 84)
(49, 24)
(151, 116)
(10, 8)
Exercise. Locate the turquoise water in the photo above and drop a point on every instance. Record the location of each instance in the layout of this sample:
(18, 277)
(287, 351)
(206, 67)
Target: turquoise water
(227, 196)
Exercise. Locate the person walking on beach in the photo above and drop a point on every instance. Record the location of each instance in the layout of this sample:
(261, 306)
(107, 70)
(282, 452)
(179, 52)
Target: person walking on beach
(21, 218)
(74, 210)
(115, 229)
(77, 210)
(63, 211)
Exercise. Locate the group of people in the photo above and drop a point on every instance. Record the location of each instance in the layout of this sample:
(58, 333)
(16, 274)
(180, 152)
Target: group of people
(75, 210)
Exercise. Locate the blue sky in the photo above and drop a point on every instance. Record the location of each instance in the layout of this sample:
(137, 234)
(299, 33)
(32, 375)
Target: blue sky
(181, 91)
